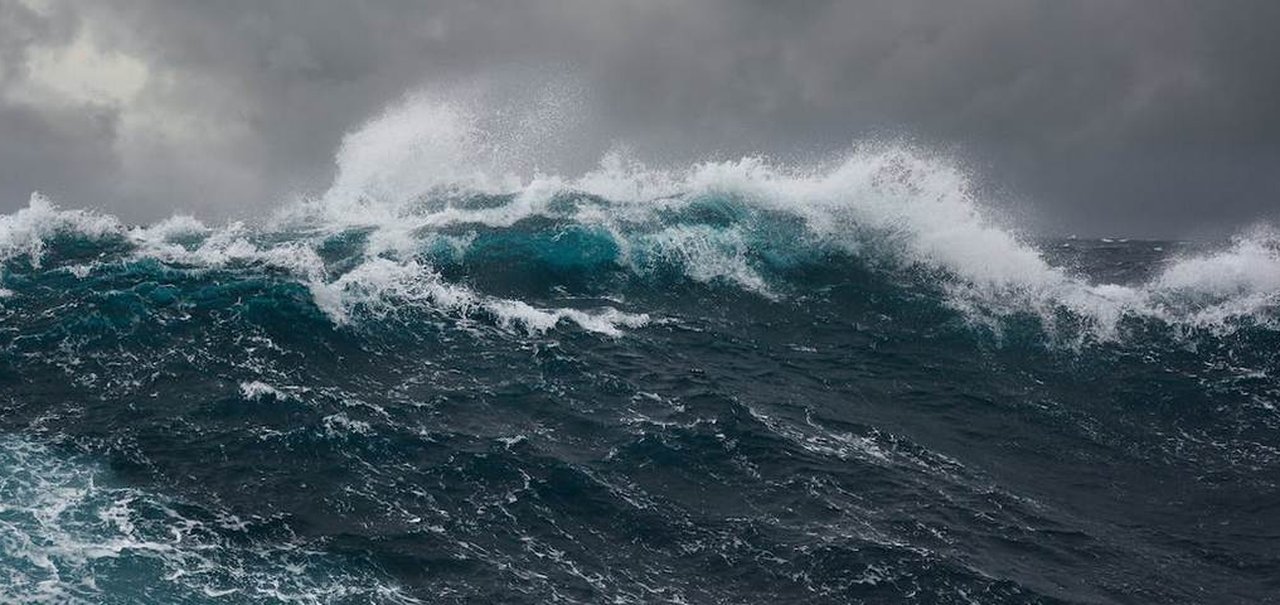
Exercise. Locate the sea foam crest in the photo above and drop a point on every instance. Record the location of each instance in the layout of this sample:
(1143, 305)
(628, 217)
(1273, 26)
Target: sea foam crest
(26, 231)
(1213, 289)
(919, 206)
(379, 285)
(401, 177)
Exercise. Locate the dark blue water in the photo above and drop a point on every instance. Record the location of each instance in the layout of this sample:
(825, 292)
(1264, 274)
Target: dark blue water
(717, 401)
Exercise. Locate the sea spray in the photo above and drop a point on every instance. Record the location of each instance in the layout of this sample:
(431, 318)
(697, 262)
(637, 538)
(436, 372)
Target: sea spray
(452, 379)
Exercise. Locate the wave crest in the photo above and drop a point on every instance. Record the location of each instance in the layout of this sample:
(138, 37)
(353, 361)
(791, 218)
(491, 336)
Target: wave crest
(423, 178)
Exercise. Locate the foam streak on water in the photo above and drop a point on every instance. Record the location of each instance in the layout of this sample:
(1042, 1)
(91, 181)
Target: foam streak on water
(70, 536)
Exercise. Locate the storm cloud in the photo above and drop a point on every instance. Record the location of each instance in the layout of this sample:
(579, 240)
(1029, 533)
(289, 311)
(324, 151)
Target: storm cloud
(1104, 117)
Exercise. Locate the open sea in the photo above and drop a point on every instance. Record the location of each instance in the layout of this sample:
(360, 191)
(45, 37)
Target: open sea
(736, 382)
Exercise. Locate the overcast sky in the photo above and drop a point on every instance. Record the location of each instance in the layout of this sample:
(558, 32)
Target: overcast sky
(1105, 117)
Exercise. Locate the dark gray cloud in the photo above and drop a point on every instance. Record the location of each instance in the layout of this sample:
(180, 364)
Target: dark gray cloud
(1101, 116)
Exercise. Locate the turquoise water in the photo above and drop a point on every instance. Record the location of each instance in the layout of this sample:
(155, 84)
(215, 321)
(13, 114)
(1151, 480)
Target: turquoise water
(751, 386)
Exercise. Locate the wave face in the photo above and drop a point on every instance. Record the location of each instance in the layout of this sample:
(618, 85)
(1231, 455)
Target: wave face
(733, 382)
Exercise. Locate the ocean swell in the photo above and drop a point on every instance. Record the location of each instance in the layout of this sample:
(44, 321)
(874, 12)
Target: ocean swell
(445, 379)
(415, 200)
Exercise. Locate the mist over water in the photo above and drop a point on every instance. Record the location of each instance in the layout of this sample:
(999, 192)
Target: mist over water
(454, 376)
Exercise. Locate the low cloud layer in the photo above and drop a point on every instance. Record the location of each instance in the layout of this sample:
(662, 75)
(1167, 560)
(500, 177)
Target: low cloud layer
(1092, 116)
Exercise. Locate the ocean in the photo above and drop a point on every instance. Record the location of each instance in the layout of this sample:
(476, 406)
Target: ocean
(733, 382)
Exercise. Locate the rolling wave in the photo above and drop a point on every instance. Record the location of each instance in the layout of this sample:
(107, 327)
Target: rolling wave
(415, 197)
(736, 381)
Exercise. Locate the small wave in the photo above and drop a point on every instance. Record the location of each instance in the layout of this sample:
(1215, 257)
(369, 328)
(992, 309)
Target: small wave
(256, 390)
(69, 535)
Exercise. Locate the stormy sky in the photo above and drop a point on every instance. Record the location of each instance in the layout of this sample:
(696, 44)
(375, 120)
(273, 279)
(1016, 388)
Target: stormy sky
(1158, 118)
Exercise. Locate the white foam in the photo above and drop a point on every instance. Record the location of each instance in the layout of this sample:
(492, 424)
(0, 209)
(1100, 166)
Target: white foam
(1250, 266)
(25, 231)
(919, 206)
(1214, 289)
(224, 247)
(256, 390)
(166, 230)
(337, 425)
(81, 271)
(705, 254)
(379, 286)
(893, 204)
(61, 519)
(422, 146)
(412, 149)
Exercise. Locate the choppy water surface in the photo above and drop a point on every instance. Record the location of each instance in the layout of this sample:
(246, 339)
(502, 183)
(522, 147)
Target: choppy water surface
(734, 383)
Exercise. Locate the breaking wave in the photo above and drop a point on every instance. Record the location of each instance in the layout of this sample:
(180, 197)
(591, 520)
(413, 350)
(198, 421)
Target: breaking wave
(453, 378)
(418, 190)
